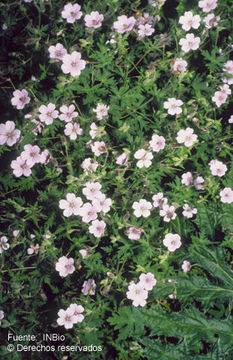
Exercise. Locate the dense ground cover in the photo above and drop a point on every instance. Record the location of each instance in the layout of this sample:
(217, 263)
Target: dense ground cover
(116, 179)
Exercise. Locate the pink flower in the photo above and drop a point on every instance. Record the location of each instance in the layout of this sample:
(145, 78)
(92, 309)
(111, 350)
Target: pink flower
(94, 132)
(20, 99)
(48, 113)
(68, 113)
(1, 316)
(219, 98)
(211, 21)
(101, 111)
(148, 281)
(207, 5)
(225, 89)
(159, 200)
(83, 253)
(188, 21)
(137, 293)
(92, 190)
(89, 287)
(4, 244)
(27, 116)
(142, 208)
(65, 266)
(20, 167)
(38, 127)
(189, 43)
(157, 143)
(228, 67)
(33, 249)
(31, 154)
(93, 20)
(8, 134)
(66, 318)
(227, 195)
(228, 80)
(73, 130)
(231, 120)
(45, 157)
(145, 30)
(217, 168)
(77, 312)
(172, 242)
(88, 213)
(71, 12)
(89, 165)
(197, 183)
(186, 266)
(122, 159)
(98, 148)
(187, 178)
(102, 204)
(186, 137)
(71, 206)
(168, 213)
(145, 19)
(15, 233)
(124, 24)
(174, 106)
(172, 296)
(188, 212)
(73, 64)
(144, 158)
(57, 52)
(134, 233)
(97, 228)
(179, 65)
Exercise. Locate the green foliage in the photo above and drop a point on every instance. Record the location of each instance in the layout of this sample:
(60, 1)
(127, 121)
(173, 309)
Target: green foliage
(187, 315)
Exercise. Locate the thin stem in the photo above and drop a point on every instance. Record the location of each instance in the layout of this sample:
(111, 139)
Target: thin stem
(18, 269)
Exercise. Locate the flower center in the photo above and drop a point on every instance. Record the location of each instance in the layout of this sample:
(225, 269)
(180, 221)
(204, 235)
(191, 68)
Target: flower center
(23, 99)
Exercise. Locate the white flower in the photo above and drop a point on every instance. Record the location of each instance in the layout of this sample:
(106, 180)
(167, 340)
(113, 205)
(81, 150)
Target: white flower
(186, 266)
(186, 137)
(168, 213)
(142, 208)
(188, 212)
(189, 43)
(4, 244)
(172, 242)
(144, 158)
(174, 106)
(188, 21)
